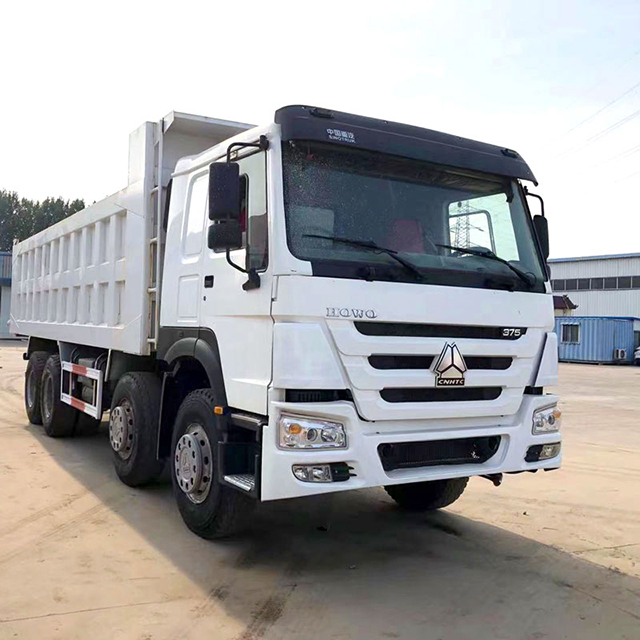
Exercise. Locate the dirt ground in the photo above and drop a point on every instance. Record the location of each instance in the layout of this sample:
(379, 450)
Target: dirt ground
(551, 555)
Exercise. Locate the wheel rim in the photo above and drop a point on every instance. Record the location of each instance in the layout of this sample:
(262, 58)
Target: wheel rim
(47, 397)
(193, 463)
(122, 429)
(31, 391)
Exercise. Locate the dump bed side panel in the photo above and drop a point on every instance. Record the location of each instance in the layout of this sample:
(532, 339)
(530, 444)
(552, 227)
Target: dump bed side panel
(84, 279)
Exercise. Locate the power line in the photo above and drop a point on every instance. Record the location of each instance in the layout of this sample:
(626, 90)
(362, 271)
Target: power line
(603, 108)
(614, 126)
(635, 173)
(628, 152)
(606, 76)
(599, 111)
(601, 134)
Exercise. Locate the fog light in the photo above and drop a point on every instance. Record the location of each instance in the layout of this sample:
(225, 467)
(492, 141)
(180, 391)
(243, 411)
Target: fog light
(542, 452)
(334, 472)
(298, 432)
(312, 473)
(547, 420)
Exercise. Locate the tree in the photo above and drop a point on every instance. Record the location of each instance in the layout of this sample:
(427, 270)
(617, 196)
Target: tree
(21, 217)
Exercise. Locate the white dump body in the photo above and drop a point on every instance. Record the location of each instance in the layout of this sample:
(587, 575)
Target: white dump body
(94, 278)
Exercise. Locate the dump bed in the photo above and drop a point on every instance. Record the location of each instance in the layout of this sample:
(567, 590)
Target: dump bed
(94, 278)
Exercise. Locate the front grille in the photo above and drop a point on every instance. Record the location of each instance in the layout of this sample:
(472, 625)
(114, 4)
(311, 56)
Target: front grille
(425, 362)
(317, 395)
(411, 330)
(408, 455)
(447, 394)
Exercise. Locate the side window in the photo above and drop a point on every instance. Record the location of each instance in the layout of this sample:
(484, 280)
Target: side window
(570, 333)
(253, 208)
(193, 229)
(484, 222)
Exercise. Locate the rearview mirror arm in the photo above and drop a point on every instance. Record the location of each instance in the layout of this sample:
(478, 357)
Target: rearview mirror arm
(253, 280)
(262, 144)
(535, 195)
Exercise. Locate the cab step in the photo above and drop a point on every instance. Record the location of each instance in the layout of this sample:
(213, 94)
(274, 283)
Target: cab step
(244, 481)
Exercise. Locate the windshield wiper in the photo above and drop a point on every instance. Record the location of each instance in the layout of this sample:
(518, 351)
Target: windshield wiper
(371, 246)
(483, 252)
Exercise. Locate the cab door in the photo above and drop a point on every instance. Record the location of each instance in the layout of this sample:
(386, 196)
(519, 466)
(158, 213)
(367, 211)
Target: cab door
(189, 265)
(241, 319)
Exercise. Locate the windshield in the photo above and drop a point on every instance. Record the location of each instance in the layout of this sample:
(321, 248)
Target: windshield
(429, 215)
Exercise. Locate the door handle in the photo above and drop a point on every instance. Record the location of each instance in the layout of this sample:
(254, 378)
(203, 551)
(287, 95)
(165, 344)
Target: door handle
(208, 282)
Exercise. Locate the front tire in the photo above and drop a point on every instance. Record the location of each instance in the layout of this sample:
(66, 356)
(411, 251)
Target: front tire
(33, 386)
(427, 496)
(210, 509)
(133, 428)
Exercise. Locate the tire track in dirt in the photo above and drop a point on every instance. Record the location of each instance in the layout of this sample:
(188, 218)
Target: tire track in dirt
(41, 513)
(58, 530)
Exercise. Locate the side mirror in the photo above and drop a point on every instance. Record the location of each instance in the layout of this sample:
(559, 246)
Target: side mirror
(225, 234)
(224, 191)
(541, 227)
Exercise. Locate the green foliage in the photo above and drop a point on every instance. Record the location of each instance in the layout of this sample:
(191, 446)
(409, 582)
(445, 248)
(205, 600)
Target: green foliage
(21, 218)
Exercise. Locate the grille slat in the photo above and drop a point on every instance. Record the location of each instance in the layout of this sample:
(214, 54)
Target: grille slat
(439, 394)
(409, 455)
(413, 330)
(425, 361)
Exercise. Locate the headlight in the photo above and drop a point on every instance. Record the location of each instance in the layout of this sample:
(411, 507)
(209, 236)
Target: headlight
(547, 420)
(298, 432)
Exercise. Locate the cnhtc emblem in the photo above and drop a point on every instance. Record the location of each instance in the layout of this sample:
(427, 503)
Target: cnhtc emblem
(450, 367)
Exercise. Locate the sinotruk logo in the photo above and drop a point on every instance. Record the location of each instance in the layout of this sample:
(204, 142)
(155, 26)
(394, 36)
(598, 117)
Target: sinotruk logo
(450, 367)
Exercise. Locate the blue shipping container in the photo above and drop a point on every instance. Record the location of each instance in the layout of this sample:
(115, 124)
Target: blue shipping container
(596, 338)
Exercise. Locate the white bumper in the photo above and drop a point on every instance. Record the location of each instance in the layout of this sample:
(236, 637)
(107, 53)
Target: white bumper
(364, 438)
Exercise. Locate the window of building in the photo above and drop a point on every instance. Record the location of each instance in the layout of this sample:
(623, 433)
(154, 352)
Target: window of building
(571, 284)
(611, 283)
(635, 282)
(624, 282)
(570, 333)
(557, 285)
(597, 283)
(583, 284)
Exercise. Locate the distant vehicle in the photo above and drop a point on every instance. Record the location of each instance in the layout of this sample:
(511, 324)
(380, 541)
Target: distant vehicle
(636, 357)
(325, 303)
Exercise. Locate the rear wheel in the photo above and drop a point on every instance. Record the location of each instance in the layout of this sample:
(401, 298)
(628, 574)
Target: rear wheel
(33, 386)
(427, 496)
(58, 418)
(133, 428)
(210, 509)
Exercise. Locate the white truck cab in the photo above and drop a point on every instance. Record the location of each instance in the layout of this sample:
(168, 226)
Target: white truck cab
(326, 303)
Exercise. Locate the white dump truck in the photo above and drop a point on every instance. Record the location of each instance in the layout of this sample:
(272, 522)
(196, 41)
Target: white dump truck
(325, 303)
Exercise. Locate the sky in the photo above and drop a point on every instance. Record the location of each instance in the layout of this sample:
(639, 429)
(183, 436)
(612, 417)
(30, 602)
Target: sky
(557, 81)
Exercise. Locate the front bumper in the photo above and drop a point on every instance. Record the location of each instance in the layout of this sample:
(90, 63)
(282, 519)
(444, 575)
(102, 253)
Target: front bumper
(278, 481)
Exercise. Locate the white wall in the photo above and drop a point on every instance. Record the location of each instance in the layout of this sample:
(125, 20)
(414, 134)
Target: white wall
(620, 302)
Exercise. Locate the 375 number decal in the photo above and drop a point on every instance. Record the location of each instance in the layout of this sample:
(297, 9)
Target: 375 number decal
(510, 332)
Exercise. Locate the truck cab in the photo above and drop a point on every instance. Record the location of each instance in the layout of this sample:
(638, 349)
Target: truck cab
(402, 299)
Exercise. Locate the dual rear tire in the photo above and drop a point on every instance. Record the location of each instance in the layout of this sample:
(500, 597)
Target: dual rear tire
(43, 403)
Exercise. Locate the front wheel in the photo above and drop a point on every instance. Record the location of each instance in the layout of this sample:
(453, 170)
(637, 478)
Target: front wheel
(210, 509)
(427, 496)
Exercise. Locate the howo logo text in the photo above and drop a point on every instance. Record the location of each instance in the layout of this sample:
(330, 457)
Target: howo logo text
(345, 312)
(450, 367)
